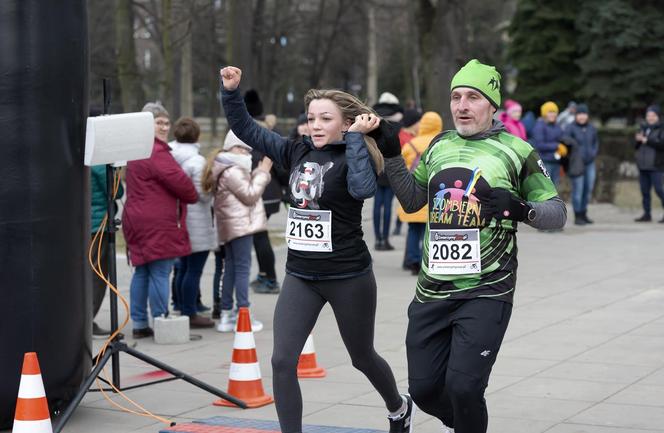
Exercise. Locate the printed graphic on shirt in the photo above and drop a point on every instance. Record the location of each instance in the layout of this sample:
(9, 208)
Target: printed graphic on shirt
(452, 199)
(306, 183)
(541, 165)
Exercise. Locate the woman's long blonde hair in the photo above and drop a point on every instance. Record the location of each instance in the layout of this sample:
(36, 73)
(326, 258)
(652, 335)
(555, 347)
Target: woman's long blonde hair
(350, 107)
(209, 182)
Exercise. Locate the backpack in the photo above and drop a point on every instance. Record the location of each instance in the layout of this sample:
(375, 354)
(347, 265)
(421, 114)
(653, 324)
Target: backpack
(416, 161)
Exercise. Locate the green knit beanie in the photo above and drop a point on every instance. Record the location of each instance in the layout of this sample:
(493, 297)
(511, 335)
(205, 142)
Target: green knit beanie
(483, 78)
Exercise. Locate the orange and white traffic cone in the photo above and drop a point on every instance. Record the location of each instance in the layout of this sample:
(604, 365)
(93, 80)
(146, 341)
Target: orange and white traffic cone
(32, 414)
(307, 367)
(244, 380)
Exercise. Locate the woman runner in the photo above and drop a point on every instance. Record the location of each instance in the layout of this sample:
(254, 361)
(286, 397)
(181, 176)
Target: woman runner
(332, 172)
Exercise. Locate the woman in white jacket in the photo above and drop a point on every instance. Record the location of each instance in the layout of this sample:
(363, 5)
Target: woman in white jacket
(199, 222)
(239, 213)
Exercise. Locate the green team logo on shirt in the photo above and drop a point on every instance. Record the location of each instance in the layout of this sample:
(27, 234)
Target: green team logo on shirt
(456, 171)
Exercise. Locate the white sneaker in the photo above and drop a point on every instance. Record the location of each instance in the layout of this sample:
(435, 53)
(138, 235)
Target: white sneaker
(227, 321)
(256, 325)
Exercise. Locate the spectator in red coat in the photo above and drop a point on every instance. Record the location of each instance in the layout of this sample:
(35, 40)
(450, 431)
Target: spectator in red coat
(153, 222)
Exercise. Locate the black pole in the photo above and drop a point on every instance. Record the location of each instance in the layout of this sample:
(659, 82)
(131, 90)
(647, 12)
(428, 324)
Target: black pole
(69, 411)
(187, 378)
(111, 228)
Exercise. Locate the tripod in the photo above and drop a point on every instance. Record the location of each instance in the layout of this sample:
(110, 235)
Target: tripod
(117, 345)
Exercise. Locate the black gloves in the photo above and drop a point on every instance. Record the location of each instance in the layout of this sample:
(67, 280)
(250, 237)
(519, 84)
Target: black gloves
(387, 138)
(500, 204)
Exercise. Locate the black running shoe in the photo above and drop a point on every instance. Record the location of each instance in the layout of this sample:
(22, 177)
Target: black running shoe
(404, 423)
(142, 333)
(99, 333)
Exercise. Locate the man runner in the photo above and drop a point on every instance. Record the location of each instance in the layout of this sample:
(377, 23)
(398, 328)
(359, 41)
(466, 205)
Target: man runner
(479, 182)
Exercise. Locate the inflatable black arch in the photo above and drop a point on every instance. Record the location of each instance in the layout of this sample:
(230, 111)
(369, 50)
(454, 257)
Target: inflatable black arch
(44, 198)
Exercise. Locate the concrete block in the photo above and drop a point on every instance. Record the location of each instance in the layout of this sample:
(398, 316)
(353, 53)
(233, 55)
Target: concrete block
(171, 330)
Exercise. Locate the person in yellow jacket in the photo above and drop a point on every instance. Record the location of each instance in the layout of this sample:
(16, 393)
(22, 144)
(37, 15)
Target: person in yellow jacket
(431, 125)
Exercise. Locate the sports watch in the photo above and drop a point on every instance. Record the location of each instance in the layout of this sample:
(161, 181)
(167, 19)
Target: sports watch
(532, 214)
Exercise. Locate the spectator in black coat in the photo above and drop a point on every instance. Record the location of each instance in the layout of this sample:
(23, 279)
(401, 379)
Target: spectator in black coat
(581, 137)
(650, 159)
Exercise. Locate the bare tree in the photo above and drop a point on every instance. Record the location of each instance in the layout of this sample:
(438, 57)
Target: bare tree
(320, 56)
(442, 41)
(239, 38)
(284, 47)
(209, 56)
(372, 56)
(130, 79)
(166, 79)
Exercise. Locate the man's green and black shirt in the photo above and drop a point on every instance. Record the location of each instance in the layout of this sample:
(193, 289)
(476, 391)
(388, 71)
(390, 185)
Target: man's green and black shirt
(456, 170)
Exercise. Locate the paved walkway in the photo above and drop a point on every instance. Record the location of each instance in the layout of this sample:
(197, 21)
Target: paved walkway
(584, 351)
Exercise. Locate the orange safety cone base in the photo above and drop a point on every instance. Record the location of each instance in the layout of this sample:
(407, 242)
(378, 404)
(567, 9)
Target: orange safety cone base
(311, 373)
(308, 368)
(250, 392)
(254, 402)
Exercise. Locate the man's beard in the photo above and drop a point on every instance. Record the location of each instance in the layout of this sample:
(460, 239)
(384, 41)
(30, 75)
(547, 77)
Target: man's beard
(468, 130)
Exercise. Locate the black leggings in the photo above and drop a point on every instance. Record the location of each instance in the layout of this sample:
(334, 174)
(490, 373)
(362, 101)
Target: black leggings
(264, 255)
(353, 302)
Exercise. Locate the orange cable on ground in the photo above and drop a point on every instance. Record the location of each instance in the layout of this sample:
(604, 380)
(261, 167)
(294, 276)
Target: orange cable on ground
(99, 272)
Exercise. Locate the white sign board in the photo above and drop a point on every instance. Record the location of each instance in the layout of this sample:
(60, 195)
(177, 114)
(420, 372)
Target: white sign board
(119, 137)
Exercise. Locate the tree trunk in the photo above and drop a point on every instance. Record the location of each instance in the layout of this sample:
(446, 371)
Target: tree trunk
(442, 44)
(239, 39)
(271, 79)
(411, 50)
(320, 61)
(167, 47)
(186, 77)
(132, 93)
(213, 74)
(372, 56)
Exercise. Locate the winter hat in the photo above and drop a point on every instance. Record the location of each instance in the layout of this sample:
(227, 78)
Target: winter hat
(547, 107)
(655, 108)
(511, 105)
(388, 98)
(232, 141)
(411, 117)
(483, 78)
(156, 109)
(581, 108)
(388, 107)
(253, 103)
